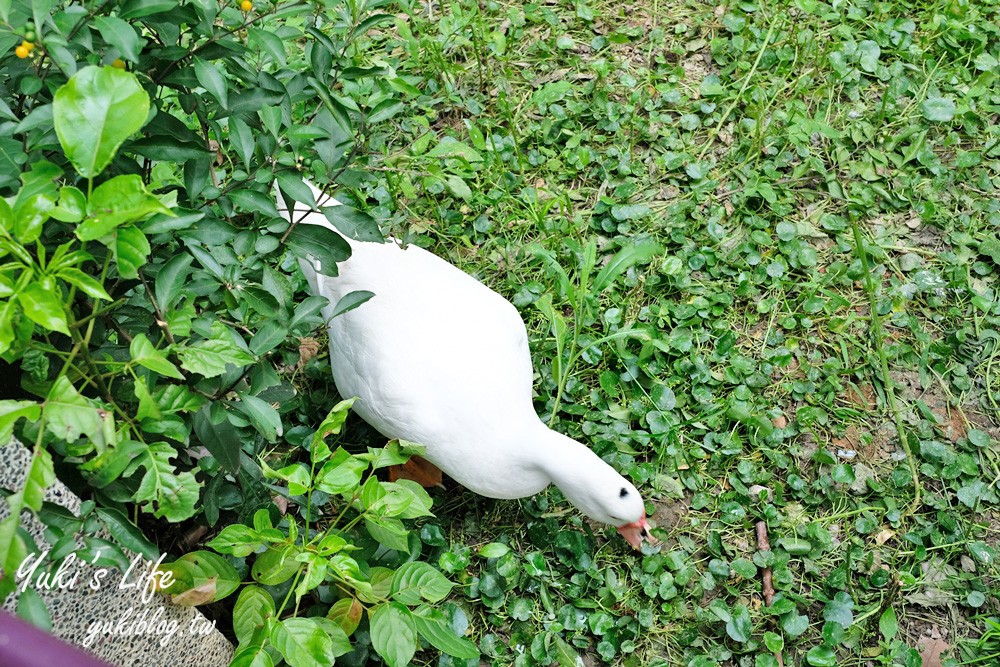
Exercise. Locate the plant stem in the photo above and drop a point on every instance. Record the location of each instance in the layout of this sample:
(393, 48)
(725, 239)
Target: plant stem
(877, 334)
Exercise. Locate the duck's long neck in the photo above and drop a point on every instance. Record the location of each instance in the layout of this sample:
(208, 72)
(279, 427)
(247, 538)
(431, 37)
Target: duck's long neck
(571, 466)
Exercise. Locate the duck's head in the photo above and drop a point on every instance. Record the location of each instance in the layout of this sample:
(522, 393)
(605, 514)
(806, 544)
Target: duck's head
(614, 500)
(605, 496)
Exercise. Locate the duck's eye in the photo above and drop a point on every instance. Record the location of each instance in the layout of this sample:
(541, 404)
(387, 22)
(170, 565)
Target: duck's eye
(623, 492)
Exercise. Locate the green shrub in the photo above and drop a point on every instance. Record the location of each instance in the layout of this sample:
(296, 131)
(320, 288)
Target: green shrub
(148, 296)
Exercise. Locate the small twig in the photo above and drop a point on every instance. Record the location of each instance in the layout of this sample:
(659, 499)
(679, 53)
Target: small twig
(765, 576)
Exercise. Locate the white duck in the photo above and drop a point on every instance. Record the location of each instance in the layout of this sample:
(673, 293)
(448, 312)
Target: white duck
(438, 358)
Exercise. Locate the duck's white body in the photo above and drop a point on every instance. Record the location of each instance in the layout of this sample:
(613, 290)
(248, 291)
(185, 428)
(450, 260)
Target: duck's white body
(439, 359)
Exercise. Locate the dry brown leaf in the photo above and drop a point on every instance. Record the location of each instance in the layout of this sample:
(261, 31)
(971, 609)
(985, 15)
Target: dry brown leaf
(931, 650)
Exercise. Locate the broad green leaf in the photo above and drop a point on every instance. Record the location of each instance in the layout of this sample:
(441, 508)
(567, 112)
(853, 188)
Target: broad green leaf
(210, 357)
(134, 9)
(84, 283)
(566, 655)
(293, 186)
(302, 642)
(262, 415)
(888, 625)
(938, 109)
(821, 656)
(68, 415)
(252, 656)
(314, 243)
(144, 354)
(450, 147)
(252, 614)
(839, 609)
(388, 531)
(393, 634)
(131, 250)
(341, 474)
(30, 214)
(127, 533)
(416, 580)
(353, 223)
(120, 34)
(237, 540)
(276, 565)
(493, 550)
(629, 211)
(43, 307)
(868, 52)
(41, 475)
(11, 411)
(94, 112)
(434, 627)
(212, 79)
(117, 201)
(346, 613)
(739, 627)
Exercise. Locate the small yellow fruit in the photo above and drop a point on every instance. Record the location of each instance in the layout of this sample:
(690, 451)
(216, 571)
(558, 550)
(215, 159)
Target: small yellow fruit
(21, 52)
(28, 45)
(118, 63)
(246, 5)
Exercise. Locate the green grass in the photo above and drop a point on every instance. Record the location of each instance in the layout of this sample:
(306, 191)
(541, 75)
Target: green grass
(763, 145)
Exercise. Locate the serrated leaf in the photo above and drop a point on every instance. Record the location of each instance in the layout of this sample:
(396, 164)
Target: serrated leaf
(68, 415)
(117, 201)
(164, 492)
(144, 354)
(262, 415)
(353, 223)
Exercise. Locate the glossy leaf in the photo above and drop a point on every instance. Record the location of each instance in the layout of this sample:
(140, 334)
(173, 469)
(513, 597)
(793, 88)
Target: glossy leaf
(143, 353)
(43, 307)
(94, 112)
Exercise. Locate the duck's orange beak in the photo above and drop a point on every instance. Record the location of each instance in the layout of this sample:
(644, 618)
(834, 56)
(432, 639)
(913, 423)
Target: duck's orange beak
(635, 533)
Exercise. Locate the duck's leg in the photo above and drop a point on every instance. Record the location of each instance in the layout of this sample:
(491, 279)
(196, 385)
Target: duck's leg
(419, 470)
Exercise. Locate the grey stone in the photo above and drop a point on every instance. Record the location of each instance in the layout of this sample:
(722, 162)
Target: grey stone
(75, 610)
